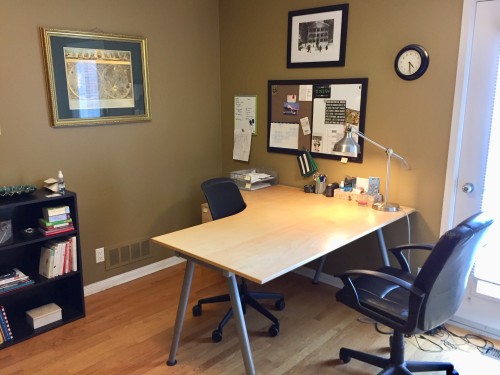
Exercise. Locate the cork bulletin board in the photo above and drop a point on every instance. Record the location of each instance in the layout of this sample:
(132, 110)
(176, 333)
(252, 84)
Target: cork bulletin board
(311, 115)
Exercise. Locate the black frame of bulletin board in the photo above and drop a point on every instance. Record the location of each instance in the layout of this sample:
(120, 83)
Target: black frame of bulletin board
(311, 115)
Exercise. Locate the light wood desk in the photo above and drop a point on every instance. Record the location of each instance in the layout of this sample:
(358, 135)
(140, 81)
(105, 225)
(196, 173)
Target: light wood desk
(281, 229)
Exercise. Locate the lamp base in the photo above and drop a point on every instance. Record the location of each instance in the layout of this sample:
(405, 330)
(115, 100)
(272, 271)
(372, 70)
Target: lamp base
(386, 207)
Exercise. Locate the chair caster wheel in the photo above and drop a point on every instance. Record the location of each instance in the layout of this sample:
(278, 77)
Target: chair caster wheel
(196, 310)
(274, 330)
(216, 336)
(280, 304)
(344, 358)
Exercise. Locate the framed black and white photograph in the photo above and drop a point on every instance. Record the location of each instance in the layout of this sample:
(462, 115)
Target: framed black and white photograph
(95, 78)
(317, 36)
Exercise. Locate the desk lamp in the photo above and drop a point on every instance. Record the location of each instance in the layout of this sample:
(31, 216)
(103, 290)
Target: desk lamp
(348, 146)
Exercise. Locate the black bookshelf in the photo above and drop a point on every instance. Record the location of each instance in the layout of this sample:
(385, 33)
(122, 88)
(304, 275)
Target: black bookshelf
(23, 252)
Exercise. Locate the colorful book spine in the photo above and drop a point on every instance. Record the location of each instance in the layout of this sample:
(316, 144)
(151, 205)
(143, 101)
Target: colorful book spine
(4, 322)
(47, 225)
(21, 285)
(55, 231)
(54, 211)
(61, 217)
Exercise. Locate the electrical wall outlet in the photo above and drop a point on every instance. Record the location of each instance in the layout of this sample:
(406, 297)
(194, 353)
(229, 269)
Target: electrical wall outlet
(99, 255)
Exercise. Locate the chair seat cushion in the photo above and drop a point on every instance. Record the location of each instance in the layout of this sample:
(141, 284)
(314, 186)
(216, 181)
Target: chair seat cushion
(384, 297)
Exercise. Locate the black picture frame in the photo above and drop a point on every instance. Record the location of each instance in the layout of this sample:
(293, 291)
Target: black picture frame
(95, 78)
(311, 115)
(317, 36)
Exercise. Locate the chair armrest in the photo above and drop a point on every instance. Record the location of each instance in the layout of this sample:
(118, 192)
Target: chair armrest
(346, 279)
(415, 302)
(397, 251)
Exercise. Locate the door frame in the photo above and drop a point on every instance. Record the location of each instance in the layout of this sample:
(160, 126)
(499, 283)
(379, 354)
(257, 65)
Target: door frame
(458, 115)
(451, 189)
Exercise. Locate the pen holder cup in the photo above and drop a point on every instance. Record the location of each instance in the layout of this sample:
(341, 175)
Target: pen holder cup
(320, 187)
(329, 190)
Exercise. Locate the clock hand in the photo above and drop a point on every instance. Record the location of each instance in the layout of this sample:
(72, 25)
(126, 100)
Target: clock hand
(410, 65)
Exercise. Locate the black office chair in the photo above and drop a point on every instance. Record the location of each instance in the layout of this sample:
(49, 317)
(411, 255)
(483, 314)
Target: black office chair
(224, 199)
(411, 304)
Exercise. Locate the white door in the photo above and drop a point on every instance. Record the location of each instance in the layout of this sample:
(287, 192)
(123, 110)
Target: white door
(472, 183)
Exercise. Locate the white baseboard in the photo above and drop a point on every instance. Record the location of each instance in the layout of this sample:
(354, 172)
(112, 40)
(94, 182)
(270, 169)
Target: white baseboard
(131, 275)
(479, 329)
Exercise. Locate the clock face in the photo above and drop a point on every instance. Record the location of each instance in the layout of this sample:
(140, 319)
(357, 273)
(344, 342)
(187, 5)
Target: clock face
(411, 62)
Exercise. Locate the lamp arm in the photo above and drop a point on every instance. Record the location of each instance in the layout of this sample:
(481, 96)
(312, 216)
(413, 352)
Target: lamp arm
(389, 151)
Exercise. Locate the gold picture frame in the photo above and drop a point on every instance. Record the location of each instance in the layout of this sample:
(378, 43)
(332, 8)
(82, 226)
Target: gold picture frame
(95, 78)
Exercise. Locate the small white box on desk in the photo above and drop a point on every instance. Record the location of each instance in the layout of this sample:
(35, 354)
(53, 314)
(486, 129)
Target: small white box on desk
(354, 196)
(43, 315)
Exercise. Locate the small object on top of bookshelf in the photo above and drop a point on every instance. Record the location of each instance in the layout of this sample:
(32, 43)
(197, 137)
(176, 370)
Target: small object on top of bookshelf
(43, 315)
(16, 281)
(5, 331)
(61, 186)
(51, 184)
(58, 258)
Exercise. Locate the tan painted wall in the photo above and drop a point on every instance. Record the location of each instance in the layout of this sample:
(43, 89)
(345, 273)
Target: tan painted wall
(411, 117)
(136, 180)
(139, 180)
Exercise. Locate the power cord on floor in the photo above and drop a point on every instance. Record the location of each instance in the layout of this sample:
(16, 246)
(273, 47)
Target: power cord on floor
(440, 338)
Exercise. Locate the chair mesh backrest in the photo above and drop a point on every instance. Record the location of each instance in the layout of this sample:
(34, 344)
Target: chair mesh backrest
(223, 197)
(445, 272)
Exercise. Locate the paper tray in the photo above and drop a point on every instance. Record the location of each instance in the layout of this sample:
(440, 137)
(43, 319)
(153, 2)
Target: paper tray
(245, 179)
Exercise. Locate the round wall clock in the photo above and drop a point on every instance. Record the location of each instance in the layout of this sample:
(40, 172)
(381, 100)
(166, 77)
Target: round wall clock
(411, 62)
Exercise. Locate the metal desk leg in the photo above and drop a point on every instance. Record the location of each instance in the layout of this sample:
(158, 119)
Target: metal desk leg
(181, 311)
(240, 324)
(317, 274)
(383, 248)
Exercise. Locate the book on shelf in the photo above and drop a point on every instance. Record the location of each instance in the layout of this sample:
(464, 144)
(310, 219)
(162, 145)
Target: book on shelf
(19, 280)
(51, 232)
(56, 218)
(6, 272)
(46, 265)
(58, 258)
(17, 276)
(51, 212)
(4, 325)
(47, 225)
(4, 289)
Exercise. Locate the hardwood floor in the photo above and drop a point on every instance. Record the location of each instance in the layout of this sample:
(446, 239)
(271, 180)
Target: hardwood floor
(128, 330)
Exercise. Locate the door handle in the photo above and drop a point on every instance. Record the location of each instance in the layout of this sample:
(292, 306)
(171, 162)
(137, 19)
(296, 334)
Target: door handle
(468, 188)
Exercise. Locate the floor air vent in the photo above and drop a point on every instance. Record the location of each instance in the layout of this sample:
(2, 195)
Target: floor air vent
(493, 353)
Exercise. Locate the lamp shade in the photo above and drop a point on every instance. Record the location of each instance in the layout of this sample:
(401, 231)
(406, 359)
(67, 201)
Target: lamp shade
(347, 145)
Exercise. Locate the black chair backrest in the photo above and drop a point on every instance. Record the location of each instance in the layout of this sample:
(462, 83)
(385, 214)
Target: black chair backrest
(444, 275)
(223, 197)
